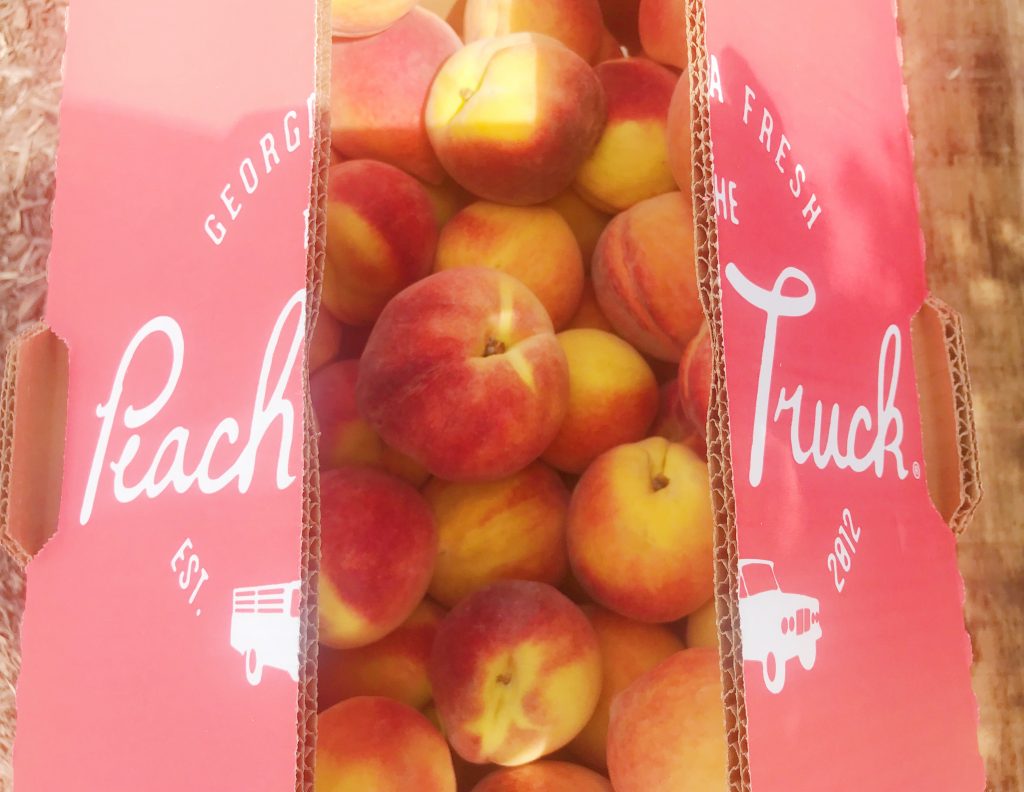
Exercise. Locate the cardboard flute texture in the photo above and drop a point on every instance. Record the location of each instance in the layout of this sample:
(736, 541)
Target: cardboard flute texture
(163, 639)
(839, 596)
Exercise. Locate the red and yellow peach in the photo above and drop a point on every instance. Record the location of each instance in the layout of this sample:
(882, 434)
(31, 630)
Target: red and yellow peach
(662, 26)
(354, 18)
(545, 776)
(576, 23)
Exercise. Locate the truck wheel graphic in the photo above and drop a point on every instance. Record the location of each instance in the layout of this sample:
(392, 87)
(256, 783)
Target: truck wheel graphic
(253, 667)
(808, 656)
(774, 673)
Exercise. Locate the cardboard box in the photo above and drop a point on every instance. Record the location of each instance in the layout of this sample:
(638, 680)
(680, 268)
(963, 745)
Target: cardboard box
(172, 613)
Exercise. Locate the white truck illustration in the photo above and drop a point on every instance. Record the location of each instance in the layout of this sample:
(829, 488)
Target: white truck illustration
(775, 626)
(265, 623)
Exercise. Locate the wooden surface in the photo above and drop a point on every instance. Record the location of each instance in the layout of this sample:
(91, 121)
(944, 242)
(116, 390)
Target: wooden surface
(965, 71)
(965, 76)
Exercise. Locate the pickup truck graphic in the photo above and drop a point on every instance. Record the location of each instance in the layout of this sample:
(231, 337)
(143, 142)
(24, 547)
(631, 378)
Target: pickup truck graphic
(265, 628)
(775, 626)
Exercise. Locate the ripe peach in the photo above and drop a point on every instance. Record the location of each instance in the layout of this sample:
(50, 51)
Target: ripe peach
(667, 730)
(613, 397)
(630, 162)
(345, 437)
(381, 236)
(576, 23)
(516, 673)
(621, 17)
(629, 649)
(498, 530)
(325, 343)
(467, 774)
(354, 18)
(512, 118)
(702, 627)
(663, 31)
(395, 666)
(640, 531)
(463, 373)
(531, 243)
(680, 140)
(379, 543)
(695, 379)
(589, 315)
(379, 88)
(544, 776)
(645, 278)
(586, 222)
(371, 743)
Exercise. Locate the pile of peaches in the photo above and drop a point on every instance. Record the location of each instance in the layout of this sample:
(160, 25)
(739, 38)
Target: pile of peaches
(510, 376)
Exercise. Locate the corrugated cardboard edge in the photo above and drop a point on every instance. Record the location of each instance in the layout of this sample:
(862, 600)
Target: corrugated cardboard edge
(719, 452)
(317, 242)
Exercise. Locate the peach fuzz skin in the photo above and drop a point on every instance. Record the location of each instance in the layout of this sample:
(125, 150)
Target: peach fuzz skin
(613, 397)
(381, 237)
(630, 162)
(695, 379)
(629, 649)
(640, 531)
(702, 627)
(379, 543)
(379, 88)
(533, 244)
(546, 776)
(516, 673)
(513, 528)
(662, 24)
(667, 730)
(394, 667)
(370, 743)
(645, 279)
(680, 159)
(360, 18)
(463, 374)
(576, 23)
(512, 118)
(345, 437)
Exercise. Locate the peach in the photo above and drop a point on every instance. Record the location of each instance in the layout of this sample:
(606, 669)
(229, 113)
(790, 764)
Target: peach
(373, 743)
(622, 18)
(448, 199)
(378, 544)
(640, 531)
(613, 397)
(645, 278)
(629, 649)
(630, 162)
(354, 18)
(467, 774)
(673, 424)
(463, 373)
(586, 222)
(695, 379)
(702, 627)
(662, 26)
(544, 776)
(345, 438)
(379, 88)
(513, 528)
(325, 342)
(531, 243)
(512, 118)
(394, 667)
(680, 141)
(589, 315)
(516, 673)
(381, 236)
(576, 23)
(667, 730)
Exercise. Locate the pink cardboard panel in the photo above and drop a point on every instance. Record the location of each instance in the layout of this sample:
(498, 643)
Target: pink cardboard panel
(160, 639)
(856, 660)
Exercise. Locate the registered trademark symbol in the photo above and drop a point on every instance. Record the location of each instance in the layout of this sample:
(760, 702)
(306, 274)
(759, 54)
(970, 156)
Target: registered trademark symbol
(917, 470)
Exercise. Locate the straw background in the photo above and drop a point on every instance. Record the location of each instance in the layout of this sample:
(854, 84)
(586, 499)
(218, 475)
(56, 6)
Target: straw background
(965, 74)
